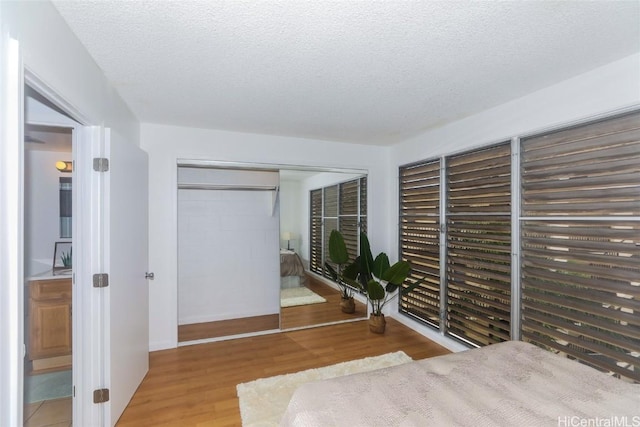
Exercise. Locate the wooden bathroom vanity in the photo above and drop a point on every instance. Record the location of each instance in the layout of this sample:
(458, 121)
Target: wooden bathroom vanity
(49, 322)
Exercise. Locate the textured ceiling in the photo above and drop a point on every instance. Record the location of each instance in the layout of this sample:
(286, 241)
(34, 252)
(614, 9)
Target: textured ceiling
(371, 72)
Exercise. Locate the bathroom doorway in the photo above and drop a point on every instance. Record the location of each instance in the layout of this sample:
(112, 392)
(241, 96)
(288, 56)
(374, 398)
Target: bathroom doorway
(48, 263)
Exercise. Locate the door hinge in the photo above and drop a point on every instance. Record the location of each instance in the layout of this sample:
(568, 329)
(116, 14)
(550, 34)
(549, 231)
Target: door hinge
(100, 164)
(101, 395)
(100, 280)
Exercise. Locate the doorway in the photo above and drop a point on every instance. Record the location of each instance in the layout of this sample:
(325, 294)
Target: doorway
(48, 262)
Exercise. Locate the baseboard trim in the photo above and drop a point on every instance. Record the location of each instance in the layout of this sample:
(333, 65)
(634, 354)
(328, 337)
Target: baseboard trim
(162, 345)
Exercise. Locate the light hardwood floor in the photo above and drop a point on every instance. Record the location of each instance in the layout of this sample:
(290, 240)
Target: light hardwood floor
(48, 413)
(317, 314)
(196, 385)
(289, 317)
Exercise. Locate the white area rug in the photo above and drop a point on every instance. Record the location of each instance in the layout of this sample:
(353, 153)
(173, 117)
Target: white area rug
(264, 401)
(299, 296)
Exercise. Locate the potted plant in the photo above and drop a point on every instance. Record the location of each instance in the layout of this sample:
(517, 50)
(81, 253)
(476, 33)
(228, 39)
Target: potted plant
(376, 277)
(66, 259)
(381, 280)
(343, 276)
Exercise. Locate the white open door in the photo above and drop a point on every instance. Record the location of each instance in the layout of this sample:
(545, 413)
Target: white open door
(126, 260)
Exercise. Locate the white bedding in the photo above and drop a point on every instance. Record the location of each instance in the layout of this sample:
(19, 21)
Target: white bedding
(508, 384)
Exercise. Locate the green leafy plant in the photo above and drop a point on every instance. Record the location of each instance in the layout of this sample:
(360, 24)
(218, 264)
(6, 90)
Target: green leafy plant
(382, 279)
(343, 276)
(376, 276)
(66, 258)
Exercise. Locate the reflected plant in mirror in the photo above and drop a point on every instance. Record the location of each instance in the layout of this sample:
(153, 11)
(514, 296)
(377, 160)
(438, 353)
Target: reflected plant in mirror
(66, 258)
(62, 258)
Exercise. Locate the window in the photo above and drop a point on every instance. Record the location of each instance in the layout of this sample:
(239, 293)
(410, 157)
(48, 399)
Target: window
(581, 243)
(574, 287)
(466, 276)
(420, 238)
(315, 231)
(478, 235)
(350, 223)
(337, 207)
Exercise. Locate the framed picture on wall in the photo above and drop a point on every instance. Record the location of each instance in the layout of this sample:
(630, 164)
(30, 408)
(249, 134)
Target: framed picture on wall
(62, 258)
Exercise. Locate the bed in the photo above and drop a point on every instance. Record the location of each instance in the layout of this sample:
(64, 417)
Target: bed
(508, 384)
(292, 273)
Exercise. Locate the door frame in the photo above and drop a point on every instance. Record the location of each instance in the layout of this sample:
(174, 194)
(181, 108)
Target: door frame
(87, 330)
(11, 229)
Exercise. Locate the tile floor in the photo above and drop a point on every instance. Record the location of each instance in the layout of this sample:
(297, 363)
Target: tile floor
(49, 413)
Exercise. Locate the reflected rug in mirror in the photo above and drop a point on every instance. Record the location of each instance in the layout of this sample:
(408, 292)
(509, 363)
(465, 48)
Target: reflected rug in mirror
(264, 401)
(299, 296)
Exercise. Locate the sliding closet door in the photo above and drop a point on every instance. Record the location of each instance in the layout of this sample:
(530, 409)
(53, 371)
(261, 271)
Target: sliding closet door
(228, 260)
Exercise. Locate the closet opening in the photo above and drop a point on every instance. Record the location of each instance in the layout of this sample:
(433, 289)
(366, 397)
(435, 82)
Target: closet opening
(243, 247)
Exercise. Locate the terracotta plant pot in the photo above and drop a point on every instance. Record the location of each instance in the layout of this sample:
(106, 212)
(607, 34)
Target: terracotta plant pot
(347, 305)
(377, 324)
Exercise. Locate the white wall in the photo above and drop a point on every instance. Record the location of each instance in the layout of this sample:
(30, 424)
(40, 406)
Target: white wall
(228, 259)
(605, 89)
(166, 144)
(38, 113)
(54, 56)
(42, 209)
(291, 206)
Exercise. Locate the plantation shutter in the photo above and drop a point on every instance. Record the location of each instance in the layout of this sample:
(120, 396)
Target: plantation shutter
(337, 207)
(420, 238)
(479, 245)
(349, 201)
(581, 243)
(363, 199)
(315, 231)
(330, 220)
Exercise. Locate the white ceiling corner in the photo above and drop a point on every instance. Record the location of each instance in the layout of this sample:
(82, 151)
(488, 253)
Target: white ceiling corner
(368, 72)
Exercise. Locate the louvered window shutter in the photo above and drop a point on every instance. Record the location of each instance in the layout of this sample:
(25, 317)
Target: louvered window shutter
(363, 204)
(349, 216)
(315, 231)
(338, 207)
(330, 220)
(581, 243)
(420, 238)
(479, 245)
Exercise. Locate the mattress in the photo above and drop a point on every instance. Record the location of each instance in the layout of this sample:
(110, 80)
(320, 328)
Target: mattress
(508, 384)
